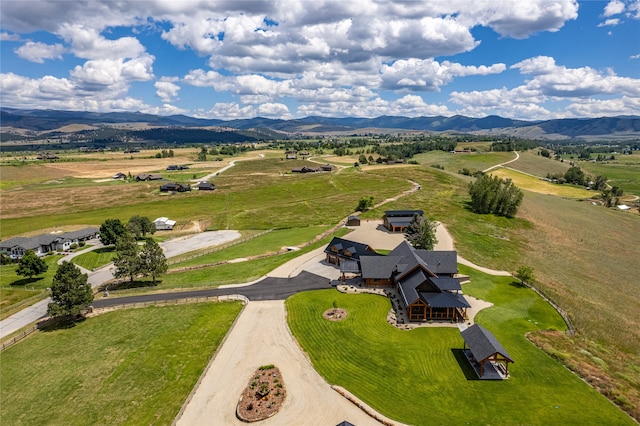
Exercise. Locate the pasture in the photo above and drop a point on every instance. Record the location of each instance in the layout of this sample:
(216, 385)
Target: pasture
(255, 194)
(535, 184)
(414, 376)
(133, 366)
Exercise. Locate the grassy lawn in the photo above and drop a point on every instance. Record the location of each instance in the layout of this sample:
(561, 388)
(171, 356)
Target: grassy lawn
(126, 367)
(415, 376)
(95, 258)
(9, 278)
(13, 300)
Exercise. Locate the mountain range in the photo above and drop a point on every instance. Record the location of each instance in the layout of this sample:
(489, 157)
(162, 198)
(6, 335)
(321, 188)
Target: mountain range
(604, 128)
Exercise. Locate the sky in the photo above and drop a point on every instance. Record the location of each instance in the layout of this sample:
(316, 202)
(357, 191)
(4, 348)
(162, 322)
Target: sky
(229, 59)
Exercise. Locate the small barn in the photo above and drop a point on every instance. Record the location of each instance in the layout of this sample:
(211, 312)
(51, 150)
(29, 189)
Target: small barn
(353, 221)
(164, 224)
(486, 355)
(398, 220)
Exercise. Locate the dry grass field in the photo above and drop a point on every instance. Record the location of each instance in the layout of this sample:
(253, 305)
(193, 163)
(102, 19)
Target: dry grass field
(534, 184)
(537, 165)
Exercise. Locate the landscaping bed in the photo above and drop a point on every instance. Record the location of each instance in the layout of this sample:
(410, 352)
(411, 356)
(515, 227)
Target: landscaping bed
(263, 396)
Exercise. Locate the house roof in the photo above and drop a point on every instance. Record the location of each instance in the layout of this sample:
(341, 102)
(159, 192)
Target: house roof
(206, 185)
(165, 220)
(378, 266)
(440, 261)
(446, 283)
(81, 233)
(340, 246)
(403, 213)
(482, 343)
(444, 300)
(31, 243)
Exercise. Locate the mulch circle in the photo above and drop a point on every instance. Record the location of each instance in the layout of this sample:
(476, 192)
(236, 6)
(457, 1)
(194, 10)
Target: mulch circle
(263, 396)
(335, 314)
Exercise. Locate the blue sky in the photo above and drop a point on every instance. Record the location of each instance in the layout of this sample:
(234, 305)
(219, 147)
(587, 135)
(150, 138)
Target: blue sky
(532, 60)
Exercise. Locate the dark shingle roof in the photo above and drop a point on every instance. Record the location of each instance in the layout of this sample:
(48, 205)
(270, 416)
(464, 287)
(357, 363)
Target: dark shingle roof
(444, 300)
(403, 213)
(482, 343)
(440, 261)
(356, 249)
(447, 284)
(378, 266)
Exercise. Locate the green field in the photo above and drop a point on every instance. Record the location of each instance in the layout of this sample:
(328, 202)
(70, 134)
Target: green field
(417, 377)
(537, 165)
(623, 172)
(535, 184)
(129, 367)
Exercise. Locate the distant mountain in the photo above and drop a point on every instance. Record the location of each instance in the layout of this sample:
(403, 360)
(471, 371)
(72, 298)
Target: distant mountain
(588, 128)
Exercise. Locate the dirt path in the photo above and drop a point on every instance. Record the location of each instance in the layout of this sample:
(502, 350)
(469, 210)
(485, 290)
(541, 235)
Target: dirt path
(502, 164)
(261, 336)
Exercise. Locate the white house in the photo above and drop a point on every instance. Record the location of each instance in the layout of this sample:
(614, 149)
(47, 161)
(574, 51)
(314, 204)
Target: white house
(164, 224)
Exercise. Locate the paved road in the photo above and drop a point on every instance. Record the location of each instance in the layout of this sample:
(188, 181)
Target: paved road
(172, 248)
(269, 288)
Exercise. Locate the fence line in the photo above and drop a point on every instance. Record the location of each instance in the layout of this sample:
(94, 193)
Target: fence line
(26, 332)
(183, 301)
(571, 328)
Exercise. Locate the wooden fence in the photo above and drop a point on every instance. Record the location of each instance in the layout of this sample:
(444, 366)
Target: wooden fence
(96, 311)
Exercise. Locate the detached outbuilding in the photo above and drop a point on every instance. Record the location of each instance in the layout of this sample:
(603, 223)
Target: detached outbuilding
(206, 186)
(164, 224)
(486, 355)
(353, 221)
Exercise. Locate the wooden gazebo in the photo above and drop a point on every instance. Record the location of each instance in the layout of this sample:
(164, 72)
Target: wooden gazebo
(484, 347)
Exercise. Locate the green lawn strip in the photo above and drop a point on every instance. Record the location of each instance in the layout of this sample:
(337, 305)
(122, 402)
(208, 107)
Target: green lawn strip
(125, 367)
(95, 258)
(270, 242)
(415, 377)
(230, 273)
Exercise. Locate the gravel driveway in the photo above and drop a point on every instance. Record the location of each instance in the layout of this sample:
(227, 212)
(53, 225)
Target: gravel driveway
(260, 337)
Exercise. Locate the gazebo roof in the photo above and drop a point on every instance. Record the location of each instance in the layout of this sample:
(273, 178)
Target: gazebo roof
(482, 343)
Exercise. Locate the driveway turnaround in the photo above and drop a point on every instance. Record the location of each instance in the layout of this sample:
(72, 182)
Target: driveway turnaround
(259, 337)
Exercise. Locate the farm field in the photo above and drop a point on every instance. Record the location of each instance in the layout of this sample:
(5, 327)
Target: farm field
(623, 172)
(427, 371)
(133, 366)
(535, 184)
(454, 162)
(255, 194)
(537, 165)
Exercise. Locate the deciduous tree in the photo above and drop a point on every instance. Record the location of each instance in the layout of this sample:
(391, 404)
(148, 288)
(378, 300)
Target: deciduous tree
(31, 265)
(365, 203)
(110, 230)
(140, 226)
(70, 291)
(524, 274)
(490, 194)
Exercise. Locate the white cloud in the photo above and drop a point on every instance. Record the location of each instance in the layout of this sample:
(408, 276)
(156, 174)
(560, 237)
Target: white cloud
(605, 108)
(228, 111)
(166, 89)
(165, 109)
(88, 43)
(635, 56)
(429, 75)
(274, 110)
(553, 80)
(609, 22)
(614, 7)
(38, 52)
(5, 36)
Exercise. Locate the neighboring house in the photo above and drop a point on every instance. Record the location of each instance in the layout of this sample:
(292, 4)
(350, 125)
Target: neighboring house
(291, 155)
(326, 168)
(484, 348)
(304, 169)
(119, 176)
(44, 243)
(398, 220)
(353, 221)
(340, 250)
(175, 187)
(206, 186)
(177, 167)
(425, 293)
(147, 176)
(164, 224)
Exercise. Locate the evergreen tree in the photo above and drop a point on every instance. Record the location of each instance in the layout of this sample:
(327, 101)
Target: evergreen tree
(30, 265)
(152, 260)
(421, 233)
(127, 260)
(70, 291)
